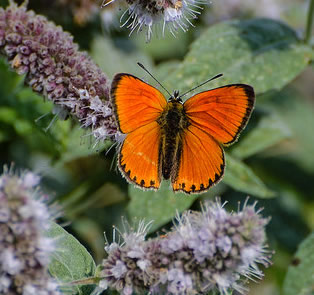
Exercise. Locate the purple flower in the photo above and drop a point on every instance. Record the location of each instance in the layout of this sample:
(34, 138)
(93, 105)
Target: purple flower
(208, 250)
(54, 67)
(24, 250)
(174, 14)
(128, 267)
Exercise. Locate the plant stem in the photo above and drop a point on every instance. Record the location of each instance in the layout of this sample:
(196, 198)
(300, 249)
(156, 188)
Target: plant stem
(309, 24)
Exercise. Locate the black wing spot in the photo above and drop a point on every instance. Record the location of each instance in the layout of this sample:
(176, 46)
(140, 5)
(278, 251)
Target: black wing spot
(134, 178)
(202, 186)
(123, 166)
(210, 182)
(142, 183)
(129, 173)
(183, 185)
(152, 182)
(216, 177)
(193, 187)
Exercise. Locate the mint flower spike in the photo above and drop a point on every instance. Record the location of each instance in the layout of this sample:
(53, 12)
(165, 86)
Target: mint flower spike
(145, 14)
(24, 250)
(227, 246)
(205, 251)
(127, 268)
(55, 68)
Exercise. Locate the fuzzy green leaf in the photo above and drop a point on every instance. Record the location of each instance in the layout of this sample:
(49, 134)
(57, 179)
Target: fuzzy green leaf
(269, 131)
(300, 276)
(263, 53)
(296, 112)
(166, 47)
(163, 70)
(70, 261)
(113, 60)
(241, 178)
(160, 206)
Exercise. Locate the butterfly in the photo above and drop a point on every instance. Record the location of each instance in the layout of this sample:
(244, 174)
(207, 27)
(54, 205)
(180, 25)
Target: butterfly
(173, 140)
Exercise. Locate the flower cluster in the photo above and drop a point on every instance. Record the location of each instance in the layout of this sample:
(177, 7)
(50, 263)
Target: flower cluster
(55, 68)
(208, 250)
(128, 267)
(175, 14)
(24, 250)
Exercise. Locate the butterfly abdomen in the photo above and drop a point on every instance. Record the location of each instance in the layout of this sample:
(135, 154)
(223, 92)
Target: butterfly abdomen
(173, 122)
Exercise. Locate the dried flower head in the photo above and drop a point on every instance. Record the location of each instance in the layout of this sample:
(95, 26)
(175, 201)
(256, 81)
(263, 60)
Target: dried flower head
(174, 14)
(83, 10)
(208, 250)
(24, 250)
(55, 68)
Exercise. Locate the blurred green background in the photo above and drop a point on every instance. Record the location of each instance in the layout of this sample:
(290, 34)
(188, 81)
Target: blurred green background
(273, 162)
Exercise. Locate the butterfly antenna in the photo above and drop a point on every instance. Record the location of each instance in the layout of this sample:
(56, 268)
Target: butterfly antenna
(106, 3)
(154, 78)
(213, 78)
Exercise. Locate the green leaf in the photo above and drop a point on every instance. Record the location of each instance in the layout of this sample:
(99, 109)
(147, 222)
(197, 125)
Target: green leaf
(10, 81)
(80, 143)
(8, 115)
(241, 178)
(269, 131)
(261, 52)
(296, 112)
(300, 276)
(113, 60)
(166, 47)
(160, 206)
(3, 136)
(70, 261)
(163, 70)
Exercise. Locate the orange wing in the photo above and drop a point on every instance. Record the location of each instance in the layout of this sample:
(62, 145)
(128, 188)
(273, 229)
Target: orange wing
(139, 156)
(135, 103)
(222, 112)
(202, 162)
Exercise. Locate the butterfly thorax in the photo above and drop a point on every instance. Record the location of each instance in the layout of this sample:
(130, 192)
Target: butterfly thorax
(173, 121)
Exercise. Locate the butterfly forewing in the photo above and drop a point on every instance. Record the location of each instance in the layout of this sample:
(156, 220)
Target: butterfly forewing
(139, 156)
(222, 112)
(201, 163)
(135, 103)
(137, 107)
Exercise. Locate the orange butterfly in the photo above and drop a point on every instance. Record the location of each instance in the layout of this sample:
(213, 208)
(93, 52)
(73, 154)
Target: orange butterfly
(174, 140)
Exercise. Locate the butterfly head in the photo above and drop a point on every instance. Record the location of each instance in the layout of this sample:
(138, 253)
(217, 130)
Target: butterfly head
(175, 97)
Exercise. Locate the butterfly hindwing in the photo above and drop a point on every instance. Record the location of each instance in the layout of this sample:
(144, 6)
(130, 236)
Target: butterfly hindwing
(139, 156)
(135, 102)
(222, 112)
(201, 163)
